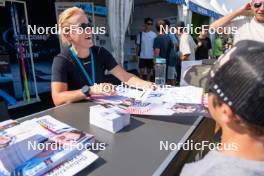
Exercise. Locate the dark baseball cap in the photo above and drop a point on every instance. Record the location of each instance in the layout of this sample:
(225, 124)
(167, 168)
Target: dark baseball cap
(238, 80)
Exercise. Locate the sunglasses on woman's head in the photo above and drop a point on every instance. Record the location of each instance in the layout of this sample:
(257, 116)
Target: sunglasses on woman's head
(258, 4)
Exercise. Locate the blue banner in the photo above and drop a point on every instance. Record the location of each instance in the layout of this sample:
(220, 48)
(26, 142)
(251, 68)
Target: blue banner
(176, 1)
(98, 10)
(10, 100)
(203, 11)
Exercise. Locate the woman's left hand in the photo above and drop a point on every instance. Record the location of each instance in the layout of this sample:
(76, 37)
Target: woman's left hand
(149, 85)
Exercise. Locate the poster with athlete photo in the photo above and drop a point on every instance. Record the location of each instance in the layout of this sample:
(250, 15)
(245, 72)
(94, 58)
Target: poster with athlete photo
(166, 109)
(19, 151)
(161, 102)
(188, 109)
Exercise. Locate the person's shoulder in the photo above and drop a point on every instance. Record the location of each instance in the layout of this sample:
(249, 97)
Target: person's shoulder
(61, 61)
(189, 38)
(242, 20)
(153, 33)
(248, 19)
(208, 39)
(253, 22)
(185, 35)
(62, 57)
(169, 38)
(158, 38)
(217, 164)
(204, 167)
(101, 52)
(98, 49)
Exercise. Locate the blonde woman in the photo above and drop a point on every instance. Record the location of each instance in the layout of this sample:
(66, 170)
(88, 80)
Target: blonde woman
(79, 71)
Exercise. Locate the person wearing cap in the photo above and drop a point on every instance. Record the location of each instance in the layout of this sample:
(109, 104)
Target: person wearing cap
(236, 103)
(79, 71)
(247, 27)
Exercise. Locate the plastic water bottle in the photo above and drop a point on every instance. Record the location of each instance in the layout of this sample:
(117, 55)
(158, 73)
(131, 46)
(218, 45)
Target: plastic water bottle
(160, 71)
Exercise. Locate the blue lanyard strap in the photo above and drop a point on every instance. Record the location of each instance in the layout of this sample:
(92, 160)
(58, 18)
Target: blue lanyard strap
(91, 82)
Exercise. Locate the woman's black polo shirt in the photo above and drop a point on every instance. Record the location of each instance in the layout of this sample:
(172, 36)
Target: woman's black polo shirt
(66, 70)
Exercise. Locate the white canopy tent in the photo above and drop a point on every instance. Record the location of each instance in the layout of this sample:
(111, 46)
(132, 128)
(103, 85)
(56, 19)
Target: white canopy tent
(202, 7)
(134, 11)
(122, 13)
(218, 7)
(206, 4)
(118, 21)
(225, 9)
(156, 10)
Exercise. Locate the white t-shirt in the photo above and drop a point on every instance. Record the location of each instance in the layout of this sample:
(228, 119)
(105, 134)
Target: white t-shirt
(217, 164)
(248, 29)
(147, 41)
(187, 46)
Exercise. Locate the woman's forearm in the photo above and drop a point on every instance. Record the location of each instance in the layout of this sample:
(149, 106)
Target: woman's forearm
(68, 97)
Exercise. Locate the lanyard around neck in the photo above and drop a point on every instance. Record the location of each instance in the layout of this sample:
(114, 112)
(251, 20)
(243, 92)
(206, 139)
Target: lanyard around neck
(91, 82)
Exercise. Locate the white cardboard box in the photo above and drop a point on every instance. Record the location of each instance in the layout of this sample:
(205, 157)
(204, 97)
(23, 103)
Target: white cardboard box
(109, 118)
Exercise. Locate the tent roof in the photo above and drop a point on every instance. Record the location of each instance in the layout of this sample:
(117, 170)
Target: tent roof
(218, 7)
(98, 2)
(225, 8)
(205, 4)
(103, 2)
(145, 2)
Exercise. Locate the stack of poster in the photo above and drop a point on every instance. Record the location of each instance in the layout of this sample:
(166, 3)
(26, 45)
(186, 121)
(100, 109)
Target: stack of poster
(75, 165)
(109, 117)
(36, 146)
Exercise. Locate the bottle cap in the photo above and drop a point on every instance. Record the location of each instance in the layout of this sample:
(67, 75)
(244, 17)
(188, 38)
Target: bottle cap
(160, 60)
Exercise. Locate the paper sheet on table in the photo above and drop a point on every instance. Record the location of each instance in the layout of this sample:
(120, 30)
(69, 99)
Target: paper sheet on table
(167, 109)
(123, 95)
(163, 101)
(189, 94)
(130, 93)
(109, 99)
(155, 96)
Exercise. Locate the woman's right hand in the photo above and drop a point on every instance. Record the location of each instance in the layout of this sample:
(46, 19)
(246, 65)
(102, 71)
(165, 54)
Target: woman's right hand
(102, 89)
